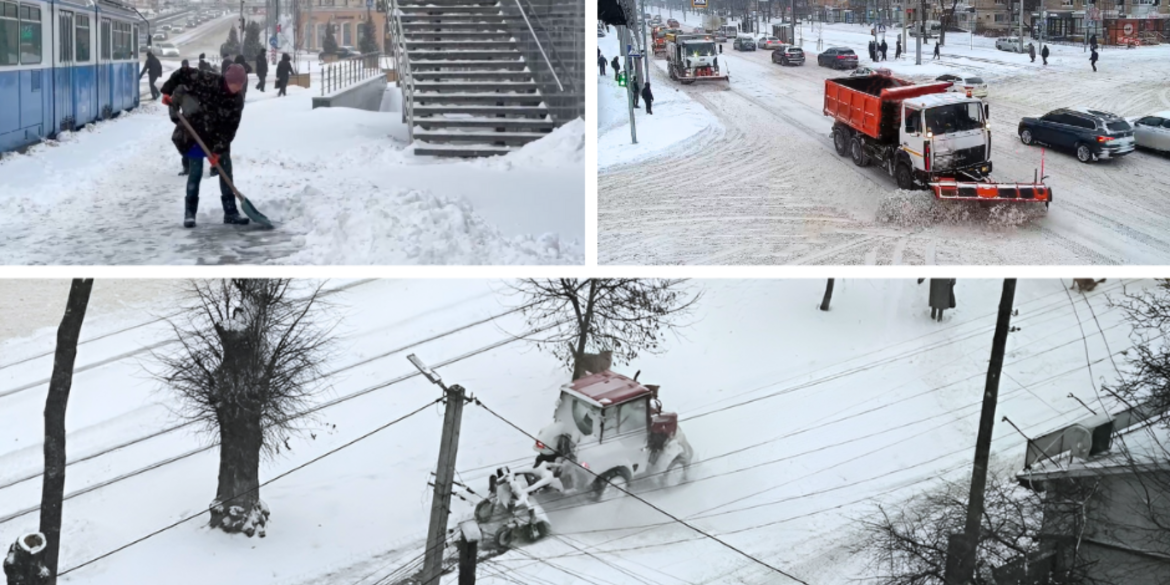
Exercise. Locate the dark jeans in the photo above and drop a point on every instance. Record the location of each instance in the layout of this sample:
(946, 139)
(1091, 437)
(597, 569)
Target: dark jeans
(227, 198)
(648, 102)
(261, 86)
(154, 92)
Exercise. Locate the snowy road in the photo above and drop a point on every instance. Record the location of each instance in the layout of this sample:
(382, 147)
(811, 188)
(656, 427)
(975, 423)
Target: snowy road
(771, 190)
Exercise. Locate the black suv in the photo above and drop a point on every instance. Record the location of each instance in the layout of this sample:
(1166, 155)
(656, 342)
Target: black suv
(838, 58)
(1092, 134)
(744, 44)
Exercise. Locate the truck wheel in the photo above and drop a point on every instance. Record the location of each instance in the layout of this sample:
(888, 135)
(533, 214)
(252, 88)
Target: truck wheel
(857, 152)
(605, 487)
(675, 473)
(1026, 137)
(538, 531)
(1084, 154)
(840, 141)
(904, 177)
(483, 511)
(506, 537)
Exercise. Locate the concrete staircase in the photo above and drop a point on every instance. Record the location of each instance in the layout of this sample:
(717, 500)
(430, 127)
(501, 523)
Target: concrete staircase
(473, 92)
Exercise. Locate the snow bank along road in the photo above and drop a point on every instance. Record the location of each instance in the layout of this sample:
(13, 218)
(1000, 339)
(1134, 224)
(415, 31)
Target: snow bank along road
(340, 183)
(772, 190)
(789, 453)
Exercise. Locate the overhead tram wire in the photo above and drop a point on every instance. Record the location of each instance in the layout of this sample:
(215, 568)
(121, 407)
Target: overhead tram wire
(249, 491)
(726, 544)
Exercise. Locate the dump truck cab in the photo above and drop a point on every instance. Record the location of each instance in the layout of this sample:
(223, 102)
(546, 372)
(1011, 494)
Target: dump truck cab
(943, 133)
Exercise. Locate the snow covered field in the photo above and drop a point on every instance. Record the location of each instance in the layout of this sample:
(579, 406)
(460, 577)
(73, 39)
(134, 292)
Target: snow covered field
(801, 421)
(771, 190)
(341, 184)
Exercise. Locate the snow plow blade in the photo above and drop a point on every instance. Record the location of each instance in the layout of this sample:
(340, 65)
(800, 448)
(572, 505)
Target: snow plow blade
(976, 191)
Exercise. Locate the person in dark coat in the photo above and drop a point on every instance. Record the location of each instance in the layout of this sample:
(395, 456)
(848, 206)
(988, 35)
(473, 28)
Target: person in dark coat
(283, 72)
(636, 92)
(898, 48)
(884, 47)
(261, 69)
(937, 48)
(203, 64)
(647, 97)
(1032, 52)
(213, 105)
(1093, 42)
(1093, 59)
(942, 296)
(617, 68)
(601, 63)
(227, 62)
(241, 61)
(1044, 54)
(872, 52)
(153, 70)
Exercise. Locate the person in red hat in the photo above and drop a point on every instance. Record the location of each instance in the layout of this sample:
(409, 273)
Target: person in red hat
(213, 105)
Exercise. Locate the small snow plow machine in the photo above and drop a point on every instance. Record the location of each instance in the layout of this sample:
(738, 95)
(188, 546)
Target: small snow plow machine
(691, 58)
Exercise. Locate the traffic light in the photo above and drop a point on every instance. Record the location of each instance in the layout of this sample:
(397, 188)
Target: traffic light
(622, 79)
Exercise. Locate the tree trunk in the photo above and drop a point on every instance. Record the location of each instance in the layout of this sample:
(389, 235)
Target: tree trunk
(583, 333)
(237, 506)
(53, 484)
(828, 295)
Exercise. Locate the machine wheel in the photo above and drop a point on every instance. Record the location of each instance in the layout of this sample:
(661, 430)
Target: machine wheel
(1026, 137)
(537, 531)
(506, 537)
(857, 152)
(840, 141)
(675, 473)
(606, 490)
(688, 81)
(1084, 154)
(904, 176)
(484, 511)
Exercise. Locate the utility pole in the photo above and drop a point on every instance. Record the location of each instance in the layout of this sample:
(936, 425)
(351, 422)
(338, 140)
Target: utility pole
(1021, 26)
(964, 565)
(455, 396)
(624, 43)
(921, 31)
(468, 548)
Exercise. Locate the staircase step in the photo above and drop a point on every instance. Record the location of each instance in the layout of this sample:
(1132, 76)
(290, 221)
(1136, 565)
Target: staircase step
(482, 137)
(472, 75)
(460, 45)
(428, 55)
(474, 86)
(498, 65)
(421, 25)
(527, 124)
(459, 150)
(461, 12)
(479, 110)
(532, 99)
(435, 4)
(431, 36)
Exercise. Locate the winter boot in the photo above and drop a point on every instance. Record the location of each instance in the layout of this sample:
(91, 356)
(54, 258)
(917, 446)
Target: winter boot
(230, 214)
(189, 216)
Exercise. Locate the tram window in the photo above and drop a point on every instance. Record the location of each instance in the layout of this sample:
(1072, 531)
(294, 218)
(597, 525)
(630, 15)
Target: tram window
(134, 44)
(105, 39)
(82, 34)
(30, 35)
(9, 34)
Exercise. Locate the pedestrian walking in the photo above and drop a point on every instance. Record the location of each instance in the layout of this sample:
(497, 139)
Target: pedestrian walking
(261, 69)
(647, 97)
(1093, 42)
(720, 48)
(872, 52)
(1044, 54)
(884, 48)
(936, 51)
(942, 296)
(212, 105)
(601, 63)
(152, 68)
(898, 48)
(1032, 52)
(1093, 59)
(617, 68)
(636, 90)
(203, 64)
(283, 72)
(241, 61)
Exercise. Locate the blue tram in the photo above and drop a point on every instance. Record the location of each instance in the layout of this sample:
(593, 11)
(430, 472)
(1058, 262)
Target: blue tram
(64, 64)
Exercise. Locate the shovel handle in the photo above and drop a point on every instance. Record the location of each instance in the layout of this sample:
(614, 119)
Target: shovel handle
(199, 141)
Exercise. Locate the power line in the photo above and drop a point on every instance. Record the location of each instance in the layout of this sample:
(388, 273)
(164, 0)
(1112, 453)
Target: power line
(250, 490)
(656, 508)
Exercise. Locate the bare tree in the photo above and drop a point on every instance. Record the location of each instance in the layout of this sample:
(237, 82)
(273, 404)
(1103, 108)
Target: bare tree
(247, 365)
(61, 382)
(625, 316)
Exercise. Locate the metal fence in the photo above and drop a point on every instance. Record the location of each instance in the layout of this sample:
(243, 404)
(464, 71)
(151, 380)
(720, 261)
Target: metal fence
(402, 66)
(345, 72)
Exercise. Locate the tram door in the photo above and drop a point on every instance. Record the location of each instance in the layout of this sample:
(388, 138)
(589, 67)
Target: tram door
(64, 91)
(105, 80)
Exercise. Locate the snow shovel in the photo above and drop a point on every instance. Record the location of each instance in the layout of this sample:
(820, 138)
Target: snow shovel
(249, 210)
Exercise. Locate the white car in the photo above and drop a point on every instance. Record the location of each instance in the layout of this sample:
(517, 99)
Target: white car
(177, 30)
(1010, 44)
(166, 50)
(959, 84)
(1152, 132)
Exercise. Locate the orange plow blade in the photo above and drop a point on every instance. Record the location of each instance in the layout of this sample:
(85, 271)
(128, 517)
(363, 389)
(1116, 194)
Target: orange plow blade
(979, 191)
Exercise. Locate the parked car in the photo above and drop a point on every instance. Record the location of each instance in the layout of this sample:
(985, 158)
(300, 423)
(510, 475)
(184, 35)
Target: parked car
(838, 58)
(159, 36)
(959, 84)
(164, 28)
(1091, 134)
(1010, 44)
(176, 30)
(743, 44)
(672, 23)
(1152, 132)
(862, 72)
(788, 55)
(165, 50)
(657, 19)
(720, 37)
(143, 48)
(768, 43)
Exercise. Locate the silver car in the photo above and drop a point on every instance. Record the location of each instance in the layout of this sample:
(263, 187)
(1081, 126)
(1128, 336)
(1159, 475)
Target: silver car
(1153, 132)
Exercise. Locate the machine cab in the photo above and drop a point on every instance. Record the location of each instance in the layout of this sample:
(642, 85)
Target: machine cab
(599, 409)
(945, 131)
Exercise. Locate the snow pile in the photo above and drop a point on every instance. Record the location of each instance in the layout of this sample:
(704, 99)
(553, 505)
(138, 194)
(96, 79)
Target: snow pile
(563, 147)
(371, 225)
(919, 209)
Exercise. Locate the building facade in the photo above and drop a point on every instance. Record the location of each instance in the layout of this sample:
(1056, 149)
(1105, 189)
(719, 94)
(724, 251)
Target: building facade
(346, 17)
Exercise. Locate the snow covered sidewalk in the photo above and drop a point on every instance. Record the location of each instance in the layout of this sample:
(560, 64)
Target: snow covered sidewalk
(341, 184)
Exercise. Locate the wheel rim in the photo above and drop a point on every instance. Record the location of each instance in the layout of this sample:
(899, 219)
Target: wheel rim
(1027, 136)
(839, 139)
(855, 150)
(505, 537)
(1083, 153)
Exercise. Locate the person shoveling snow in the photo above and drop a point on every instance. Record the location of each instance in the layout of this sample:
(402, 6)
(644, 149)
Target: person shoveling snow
(207, 109)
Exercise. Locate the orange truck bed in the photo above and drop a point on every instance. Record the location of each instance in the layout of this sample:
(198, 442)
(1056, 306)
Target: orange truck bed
(857, 101)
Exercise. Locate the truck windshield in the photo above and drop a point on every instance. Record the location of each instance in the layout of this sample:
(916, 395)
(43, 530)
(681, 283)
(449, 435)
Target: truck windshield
(584, 414)
(701, 49)
(953, 118)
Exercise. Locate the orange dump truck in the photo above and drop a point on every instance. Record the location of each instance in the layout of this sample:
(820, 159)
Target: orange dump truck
(922, 135)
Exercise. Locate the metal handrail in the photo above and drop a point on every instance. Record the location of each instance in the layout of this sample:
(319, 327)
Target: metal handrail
(402, 65)
(349, 70)
(539, 46)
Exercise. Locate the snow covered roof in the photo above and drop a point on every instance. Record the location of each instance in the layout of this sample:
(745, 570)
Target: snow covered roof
(606, 388)
(939, 99)
(1142, 447)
